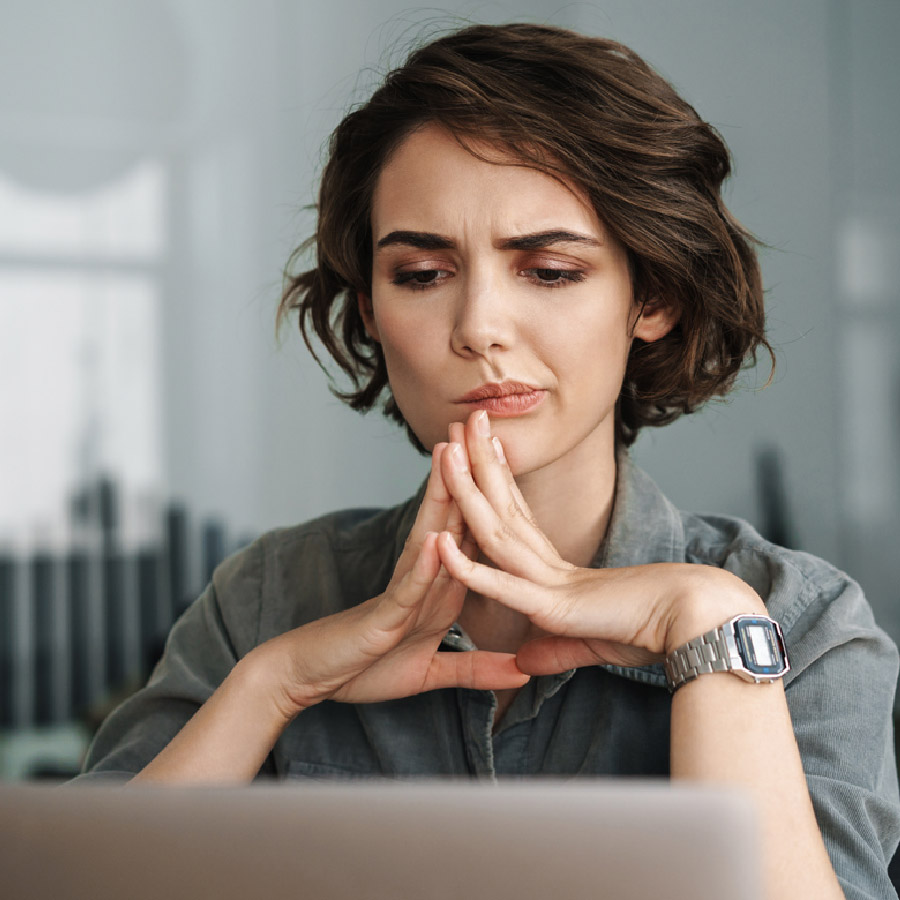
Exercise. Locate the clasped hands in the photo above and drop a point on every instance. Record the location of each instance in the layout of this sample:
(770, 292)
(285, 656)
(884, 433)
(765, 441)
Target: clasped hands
(389, 646)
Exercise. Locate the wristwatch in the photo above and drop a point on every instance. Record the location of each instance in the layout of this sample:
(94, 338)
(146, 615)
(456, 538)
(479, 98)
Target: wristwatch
(751, 647)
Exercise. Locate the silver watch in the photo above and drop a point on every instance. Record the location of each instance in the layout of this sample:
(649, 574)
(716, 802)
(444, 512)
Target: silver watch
(751, 647)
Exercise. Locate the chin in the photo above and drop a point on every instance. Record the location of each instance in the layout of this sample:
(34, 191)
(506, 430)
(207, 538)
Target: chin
(522, 456)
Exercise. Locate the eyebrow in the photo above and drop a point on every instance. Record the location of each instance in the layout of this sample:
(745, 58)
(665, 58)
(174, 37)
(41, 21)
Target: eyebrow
(421, 240)
(541, 239)
(426, 240)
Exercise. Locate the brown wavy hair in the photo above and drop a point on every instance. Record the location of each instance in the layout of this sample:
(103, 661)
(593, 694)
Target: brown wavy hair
(593, 114)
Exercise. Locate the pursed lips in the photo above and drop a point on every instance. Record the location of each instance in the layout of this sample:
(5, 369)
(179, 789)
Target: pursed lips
(503, 399)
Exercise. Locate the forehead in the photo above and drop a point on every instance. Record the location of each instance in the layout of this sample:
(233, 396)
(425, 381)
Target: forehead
(432, 182)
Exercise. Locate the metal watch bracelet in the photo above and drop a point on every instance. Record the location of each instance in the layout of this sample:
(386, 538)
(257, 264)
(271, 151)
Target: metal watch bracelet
(717, 651)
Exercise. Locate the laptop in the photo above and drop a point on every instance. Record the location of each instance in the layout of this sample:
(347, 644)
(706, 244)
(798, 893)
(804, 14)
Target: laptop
(616, 840)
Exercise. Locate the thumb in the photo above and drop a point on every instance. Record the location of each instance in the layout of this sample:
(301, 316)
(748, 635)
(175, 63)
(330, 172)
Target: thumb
(555, 653)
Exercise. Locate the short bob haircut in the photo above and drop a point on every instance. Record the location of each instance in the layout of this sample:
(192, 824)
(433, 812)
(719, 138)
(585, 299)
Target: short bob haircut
(593, 114)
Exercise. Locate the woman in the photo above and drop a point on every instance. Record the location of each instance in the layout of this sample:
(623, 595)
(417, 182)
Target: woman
(522, 246)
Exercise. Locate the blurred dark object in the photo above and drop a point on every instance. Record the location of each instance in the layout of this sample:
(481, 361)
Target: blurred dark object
(213, 546)
(51, 772)
(7, 639)
(775, 522)
(45, 660)
(176, 549)
(82, 627)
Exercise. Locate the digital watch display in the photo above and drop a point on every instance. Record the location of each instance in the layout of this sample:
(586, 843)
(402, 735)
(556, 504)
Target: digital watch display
(760, 645)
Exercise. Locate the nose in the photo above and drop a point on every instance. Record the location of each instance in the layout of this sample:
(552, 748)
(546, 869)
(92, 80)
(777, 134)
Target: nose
(483, 322)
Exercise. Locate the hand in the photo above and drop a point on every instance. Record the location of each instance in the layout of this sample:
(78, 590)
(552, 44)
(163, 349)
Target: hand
(387, 647)
(628, 616)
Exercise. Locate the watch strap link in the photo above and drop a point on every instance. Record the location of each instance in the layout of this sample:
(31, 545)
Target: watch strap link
(715, 651)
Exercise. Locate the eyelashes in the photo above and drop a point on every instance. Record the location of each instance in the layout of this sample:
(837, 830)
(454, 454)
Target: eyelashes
(542, 276)
(421, 279)
(556, 277)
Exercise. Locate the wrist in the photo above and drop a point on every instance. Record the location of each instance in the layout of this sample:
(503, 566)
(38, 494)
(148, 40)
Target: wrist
(709, 598)
(262, 676)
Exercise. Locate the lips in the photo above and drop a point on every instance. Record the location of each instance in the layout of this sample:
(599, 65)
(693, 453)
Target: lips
(507, 398)
(490, 391)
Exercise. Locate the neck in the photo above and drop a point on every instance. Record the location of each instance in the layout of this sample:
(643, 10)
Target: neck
(571, 499)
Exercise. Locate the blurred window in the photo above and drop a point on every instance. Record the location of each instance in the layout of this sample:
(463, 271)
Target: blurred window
(80, 387)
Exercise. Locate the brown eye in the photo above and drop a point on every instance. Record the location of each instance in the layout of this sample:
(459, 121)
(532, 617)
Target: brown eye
(420, 279)
(554, 277)
(549, 274)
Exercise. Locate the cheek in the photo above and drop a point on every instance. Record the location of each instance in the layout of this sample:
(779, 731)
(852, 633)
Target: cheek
(396, 335)
(590, 347)
(414, 369)
(408, 362)
(405, 327)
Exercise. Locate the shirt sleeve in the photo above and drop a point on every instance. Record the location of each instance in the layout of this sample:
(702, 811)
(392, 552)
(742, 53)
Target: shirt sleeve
(841, 697)
(202, 648)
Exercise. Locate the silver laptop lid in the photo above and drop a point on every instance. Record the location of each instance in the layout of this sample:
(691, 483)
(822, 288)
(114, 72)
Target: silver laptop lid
(372, 840)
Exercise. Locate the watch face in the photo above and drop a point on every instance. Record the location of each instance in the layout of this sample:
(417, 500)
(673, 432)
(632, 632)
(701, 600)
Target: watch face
(760, 645)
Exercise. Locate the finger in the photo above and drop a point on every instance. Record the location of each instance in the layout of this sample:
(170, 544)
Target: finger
(457, 433)
(480, 670)
(443, 603)
(496, 539)
(516, 593)
(511, 483)
(468, 546)
(443, 597)
(494, 479)
(398, 606)
(436, 503)
(554, 653)
(433, 515)
(456, 524)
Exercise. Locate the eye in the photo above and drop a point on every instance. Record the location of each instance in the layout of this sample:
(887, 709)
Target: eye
(553, 277)
(420, 279)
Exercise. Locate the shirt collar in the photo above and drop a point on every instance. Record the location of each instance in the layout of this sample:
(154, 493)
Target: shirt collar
(644, 526)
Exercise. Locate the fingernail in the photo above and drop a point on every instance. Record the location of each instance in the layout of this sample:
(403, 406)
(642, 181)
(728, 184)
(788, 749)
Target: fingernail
(498, 449)
(457, 457)
(482, 423)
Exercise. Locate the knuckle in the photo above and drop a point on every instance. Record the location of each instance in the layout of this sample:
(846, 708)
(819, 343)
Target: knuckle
(516, 510)
(420, 581)
(467, 565)
(556, 613)
(500, 533)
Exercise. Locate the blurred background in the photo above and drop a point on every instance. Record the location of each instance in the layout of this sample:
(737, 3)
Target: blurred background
(156, 159)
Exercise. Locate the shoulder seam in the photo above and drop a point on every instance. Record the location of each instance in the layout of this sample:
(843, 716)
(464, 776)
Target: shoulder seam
(808, 592)
(809, 588)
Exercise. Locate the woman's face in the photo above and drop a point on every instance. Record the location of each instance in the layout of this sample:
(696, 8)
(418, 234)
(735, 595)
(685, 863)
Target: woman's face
(496, 287)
